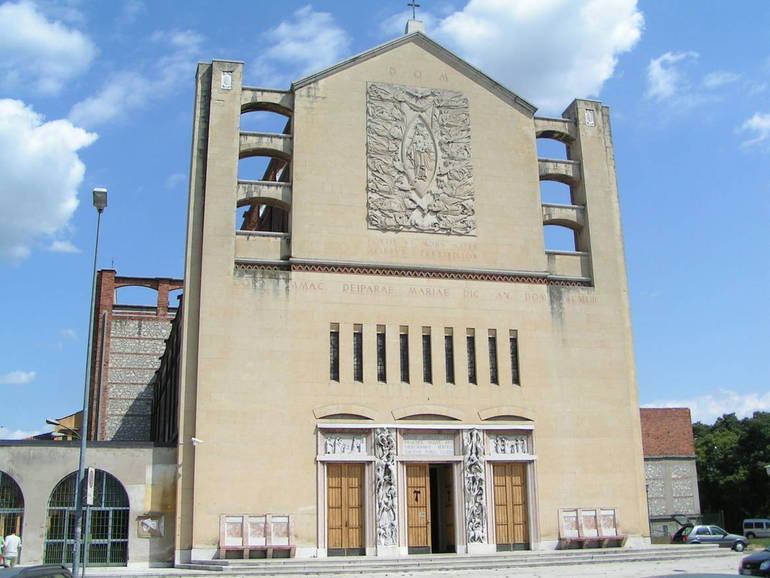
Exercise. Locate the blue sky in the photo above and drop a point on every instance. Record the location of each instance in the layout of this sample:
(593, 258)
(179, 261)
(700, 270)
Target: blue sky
(101, 93)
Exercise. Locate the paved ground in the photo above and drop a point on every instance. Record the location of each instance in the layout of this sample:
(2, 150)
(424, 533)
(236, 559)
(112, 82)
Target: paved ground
(704, 567)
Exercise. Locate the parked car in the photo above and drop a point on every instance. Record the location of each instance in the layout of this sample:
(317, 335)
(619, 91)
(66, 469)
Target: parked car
(49, 571)
(756, 528)
(701, 534)
(757, 564)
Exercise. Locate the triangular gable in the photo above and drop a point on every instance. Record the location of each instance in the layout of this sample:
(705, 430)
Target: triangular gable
(436, 50)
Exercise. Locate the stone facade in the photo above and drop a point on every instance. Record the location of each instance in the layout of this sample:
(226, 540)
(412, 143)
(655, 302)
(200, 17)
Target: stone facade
(387, 323)
(128, 343)
(670, 472)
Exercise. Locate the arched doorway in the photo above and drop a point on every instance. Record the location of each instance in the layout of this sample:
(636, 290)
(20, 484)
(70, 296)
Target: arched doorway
(11, 505)
(105, 524)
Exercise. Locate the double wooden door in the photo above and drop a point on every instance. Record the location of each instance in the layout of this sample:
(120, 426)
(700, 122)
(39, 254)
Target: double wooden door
(511, 510)
(345, 515)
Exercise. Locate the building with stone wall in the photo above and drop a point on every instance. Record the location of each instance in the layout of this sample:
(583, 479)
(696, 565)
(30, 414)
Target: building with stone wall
(127, 345)
(670, 470)
(375, 340)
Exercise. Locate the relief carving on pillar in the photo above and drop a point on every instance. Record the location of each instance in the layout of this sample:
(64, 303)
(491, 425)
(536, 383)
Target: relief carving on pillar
(385, 486)
(418, 160)
(475, 495)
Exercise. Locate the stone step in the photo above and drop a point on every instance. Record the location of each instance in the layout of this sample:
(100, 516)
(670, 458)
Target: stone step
(348, 565)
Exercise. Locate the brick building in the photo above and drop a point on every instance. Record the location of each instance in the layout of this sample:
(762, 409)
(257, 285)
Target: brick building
(127, 345)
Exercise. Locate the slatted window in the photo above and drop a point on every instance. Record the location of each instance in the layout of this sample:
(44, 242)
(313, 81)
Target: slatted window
(403, 343)
(449, 354)
(427, 353)
(514, 347)
(381, 365)
(358, 352)
(492, 341)
(334, 352)
(470, 345)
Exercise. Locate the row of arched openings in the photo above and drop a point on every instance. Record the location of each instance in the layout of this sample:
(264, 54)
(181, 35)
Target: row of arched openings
(557, 237)
(105, 524)
(266, 165)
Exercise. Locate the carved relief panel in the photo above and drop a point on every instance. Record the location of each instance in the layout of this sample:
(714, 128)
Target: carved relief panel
(344, 443)
(418, 159)
(510, 445)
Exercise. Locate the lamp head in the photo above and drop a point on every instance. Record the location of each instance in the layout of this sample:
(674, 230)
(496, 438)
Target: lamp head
(767, 469)
(100, 199)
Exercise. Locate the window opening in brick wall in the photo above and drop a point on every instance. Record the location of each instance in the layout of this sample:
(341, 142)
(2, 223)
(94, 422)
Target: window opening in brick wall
(358, 352)
(403, 342)
(449, 354)
(470, 344)
(334, 352)
(427, 352)
(381, 371)
(492, 341)
(514, 346)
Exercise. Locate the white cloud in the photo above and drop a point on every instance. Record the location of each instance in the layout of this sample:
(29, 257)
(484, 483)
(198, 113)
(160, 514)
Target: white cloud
(664, 77)
(40, 173)
(719, 78)
(17, 378)
(18, 434)
(37, 54)
(63, 247)
(759, 126)
(132, 9)
(69, 333)
(307, 42)
(176, 180)
(129, 90)
(707, 408)
(548, 51)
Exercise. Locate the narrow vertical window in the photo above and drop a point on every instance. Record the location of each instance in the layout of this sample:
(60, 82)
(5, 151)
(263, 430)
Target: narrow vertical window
(492, 340)
(449, 354)
(403, 342)
(427, 352)
(470, 343)
(358, 352)
(381, 372)
(514, 341)
(334, 352)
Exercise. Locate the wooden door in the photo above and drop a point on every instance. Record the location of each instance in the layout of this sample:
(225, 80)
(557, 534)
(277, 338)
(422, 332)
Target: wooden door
(511, 512)
(345, 512)
(418, 506)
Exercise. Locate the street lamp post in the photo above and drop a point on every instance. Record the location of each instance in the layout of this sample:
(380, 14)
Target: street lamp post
(55, 422)
(100, 202)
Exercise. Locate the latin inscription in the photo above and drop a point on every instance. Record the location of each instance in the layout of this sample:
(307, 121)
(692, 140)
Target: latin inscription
(429, 445)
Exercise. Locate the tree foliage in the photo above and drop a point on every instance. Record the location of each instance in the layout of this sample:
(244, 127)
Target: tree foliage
(731, 455)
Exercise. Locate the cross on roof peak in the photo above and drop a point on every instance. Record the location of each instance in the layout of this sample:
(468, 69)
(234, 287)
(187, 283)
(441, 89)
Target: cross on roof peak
(414, 5)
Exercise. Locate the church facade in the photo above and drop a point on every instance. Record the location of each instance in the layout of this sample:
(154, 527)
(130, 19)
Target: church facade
(374, 340)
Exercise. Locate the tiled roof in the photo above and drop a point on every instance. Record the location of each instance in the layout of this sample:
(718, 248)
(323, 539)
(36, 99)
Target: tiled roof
(667, 432)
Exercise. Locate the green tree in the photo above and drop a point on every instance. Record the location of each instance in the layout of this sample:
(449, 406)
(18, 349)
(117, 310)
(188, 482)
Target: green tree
(731, 455)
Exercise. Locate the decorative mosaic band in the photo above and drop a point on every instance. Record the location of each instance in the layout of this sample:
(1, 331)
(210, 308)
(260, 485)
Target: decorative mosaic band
(385, 271)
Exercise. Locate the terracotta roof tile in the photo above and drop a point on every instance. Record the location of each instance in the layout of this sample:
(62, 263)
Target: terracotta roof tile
(667, 432)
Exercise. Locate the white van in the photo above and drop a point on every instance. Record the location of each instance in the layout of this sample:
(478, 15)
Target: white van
(756, 528)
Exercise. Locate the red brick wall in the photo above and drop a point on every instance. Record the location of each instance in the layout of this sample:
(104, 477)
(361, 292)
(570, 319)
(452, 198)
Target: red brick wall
(667, 432)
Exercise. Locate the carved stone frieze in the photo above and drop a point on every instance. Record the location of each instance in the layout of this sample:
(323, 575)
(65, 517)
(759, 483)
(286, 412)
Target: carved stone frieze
(475, 494)
(345, 444)
(418, 159)
(385, 487)
(516, 444)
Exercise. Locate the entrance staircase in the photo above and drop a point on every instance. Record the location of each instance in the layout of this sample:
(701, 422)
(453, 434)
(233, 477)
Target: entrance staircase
(446, 562)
